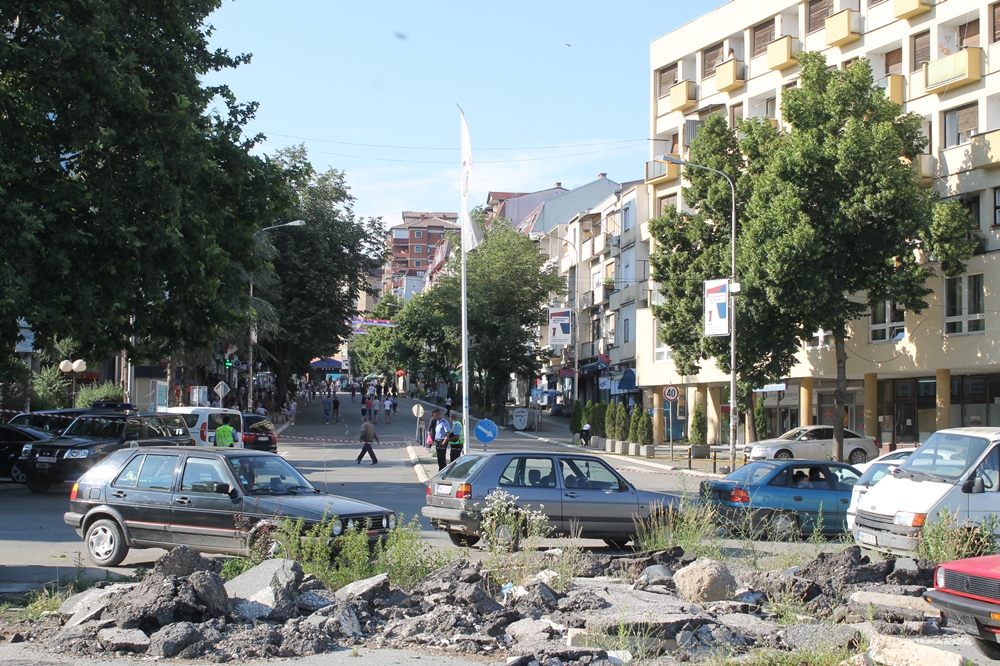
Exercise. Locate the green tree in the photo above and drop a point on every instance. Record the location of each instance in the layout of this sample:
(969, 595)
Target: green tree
(106, 392)
(374, 353)
(128, 202)
(599, 422)
(576, 417)
(588, 413)
(836, 212)
(760, 419)
(645, 430)
(699, 426)
(635, 424)
(621, 422)
(50, 389)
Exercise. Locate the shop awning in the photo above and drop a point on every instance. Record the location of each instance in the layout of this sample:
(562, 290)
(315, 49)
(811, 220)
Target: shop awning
(627, 382)
(326, 363)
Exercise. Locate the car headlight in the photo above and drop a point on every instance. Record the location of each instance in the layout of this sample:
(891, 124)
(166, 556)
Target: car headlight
(350, 524)
(78, 453)
(338, 526)
(26, 450)
(909, 519)
(392, 521)
(939, 578)
(385, 522)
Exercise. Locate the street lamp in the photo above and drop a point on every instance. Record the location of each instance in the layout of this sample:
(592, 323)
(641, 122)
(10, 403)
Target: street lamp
(253, 328)
(733, 289)
(74, 368)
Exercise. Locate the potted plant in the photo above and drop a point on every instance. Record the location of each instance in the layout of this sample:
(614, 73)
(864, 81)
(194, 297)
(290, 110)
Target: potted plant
(609, 283)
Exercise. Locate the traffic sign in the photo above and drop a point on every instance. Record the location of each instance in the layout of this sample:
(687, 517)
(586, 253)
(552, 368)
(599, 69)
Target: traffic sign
(221, 389)
(671, 393)
(486, 431)
(418, 410)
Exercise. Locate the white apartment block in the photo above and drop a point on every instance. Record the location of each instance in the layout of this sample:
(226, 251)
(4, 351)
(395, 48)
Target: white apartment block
(909, 374)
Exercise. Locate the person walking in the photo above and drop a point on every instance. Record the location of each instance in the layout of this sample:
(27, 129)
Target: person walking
(224, 434)
(432, 429)
(354, 390)
(441, 434)
(447, 406)
(388, 409)
(336, 407)
(368, 436)
(292, 408)
(327, 406)
(456, 441)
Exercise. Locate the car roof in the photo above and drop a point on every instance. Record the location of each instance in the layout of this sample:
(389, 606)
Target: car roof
(223, 451)
(198, 410)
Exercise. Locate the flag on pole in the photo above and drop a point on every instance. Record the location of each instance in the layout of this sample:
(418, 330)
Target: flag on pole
(472, 235)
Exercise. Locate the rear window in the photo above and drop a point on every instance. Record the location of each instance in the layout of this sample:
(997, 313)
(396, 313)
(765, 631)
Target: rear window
(190, 419)
(104, 470)
(464, 467)
(172, 426)
(215, 420)
(752, 473)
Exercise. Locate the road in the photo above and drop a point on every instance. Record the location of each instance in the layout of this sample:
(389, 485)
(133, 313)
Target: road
(36, 547)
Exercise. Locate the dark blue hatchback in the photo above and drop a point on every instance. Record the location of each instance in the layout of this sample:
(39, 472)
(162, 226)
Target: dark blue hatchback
(784, 498)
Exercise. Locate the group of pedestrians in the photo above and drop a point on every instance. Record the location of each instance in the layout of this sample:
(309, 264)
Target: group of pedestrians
(445, 432)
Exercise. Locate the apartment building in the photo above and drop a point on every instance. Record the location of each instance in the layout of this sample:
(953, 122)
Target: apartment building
(909, 374)
(412, 247)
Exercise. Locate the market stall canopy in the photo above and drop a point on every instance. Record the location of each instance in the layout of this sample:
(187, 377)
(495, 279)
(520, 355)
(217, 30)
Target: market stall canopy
(325, 363)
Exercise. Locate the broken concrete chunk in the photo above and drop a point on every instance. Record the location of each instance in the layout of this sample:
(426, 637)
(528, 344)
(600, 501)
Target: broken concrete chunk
(367, 589)
(210, 591)
(172, 639)
(267, 591)
(182, 561)
(898, 652)
(114, 639)
(705, 580)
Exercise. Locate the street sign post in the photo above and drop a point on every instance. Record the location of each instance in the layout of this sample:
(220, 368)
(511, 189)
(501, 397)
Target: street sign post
(486, 431)
(670, 394)
(221, 390)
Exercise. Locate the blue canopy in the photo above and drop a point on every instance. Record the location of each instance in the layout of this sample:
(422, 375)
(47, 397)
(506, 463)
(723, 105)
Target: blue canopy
(326, 363)
(627, 382)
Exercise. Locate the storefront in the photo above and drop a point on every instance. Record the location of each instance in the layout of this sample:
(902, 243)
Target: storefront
(908, 408)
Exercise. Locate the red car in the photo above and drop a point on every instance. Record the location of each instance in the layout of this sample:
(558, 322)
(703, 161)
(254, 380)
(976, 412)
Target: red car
(967, 592)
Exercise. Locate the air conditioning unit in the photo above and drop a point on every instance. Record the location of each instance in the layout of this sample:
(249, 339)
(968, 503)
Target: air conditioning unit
(616, 241)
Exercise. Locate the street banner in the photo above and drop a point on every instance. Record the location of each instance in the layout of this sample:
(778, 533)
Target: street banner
(716, 308)
(559, 325)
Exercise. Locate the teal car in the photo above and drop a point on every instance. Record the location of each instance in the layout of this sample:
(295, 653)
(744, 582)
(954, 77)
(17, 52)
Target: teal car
(784, 499)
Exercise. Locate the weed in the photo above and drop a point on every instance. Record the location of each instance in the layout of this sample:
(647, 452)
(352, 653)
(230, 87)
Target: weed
(816, 535)
(690, 524)
(641, 641)
(234, 566)
(48, 599)
(823, 656)
(511, 534)
(789, 607)
(947, 539)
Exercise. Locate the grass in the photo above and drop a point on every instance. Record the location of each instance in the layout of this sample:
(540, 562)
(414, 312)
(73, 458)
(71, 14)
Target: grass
(827, 656)
(690, 524)
(947, 539)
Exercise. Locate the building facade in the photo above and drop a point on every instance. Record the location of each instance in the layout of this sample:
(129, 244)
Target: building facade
(412, 247)
(909, 374)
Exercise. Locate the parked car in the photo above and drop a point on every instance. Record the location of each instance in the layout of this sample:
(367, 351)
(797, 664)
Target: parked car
(259, 433)
(956, 470)
(214, 500)
(92, 437)
(570, 488)
(203, 421)
(896, 457)
(784, 498)
(49, 420)
(875, 473)
(12, 440)
(813, 442)
(967, 592)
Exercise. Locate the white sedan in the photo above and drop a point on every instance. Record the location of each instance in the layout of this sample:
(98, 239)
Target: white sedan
(814, 442)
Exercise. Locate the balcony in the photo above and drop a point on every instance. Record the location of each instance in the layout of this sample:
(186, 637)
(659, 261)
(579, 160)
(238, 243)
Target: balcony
(843, 28)
(907, 9)
(985, 150)
(953, 71)
(923, 168)
(588, 350)
(730, 75)
(661, 172)
(893, 87)
(586, 300)
(601, 242)
(682, 96)
(782, 53)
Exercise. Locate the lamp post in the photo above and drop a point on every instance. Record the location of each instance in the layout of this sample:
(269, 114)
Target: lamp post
(733, 289)
(74, 368)
(253, 327)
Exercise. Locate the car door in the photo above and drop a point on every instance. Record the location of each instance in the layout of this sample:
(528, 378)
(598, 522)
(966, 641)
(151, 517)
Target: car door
(844, 479)
(810, 492)
(820, 444)
(532, 479)
(141, 495)
(202, 517)
(596, 498)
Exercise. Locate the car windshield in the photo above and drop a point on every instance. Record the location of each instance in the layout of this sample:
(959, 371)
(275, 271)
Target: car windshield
(752, 473)
(795, 433)
(874, 473)
(268, 475)
(944, 457)
(92, 427)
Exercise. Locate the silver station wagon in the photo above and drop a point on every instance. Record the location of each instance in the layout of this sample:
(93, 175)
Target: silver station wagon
(572, 489)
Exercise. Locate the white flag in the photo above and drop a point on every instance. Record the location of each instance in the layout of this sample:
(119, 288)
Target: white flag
(472, 235)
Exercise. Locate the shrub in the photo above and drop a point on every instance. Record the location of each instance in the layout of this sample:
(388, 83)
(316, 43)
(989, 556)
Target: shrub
(699, 425)
(599, 424)
(507, 528)
(576, 417)
(635, 424)
(106, 392)
(588, 415)
(646, 430)
(50, 389)
(946, 539)
(760, 419)
(690, 524)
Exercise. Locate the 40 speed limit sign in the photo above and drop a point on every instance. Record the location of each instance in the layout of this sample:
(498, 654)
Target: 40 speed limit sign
(671, 393)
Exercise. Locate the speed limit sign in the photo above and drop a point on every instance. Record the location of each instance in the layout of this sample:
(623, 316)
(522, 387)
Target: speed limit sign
(671, 392)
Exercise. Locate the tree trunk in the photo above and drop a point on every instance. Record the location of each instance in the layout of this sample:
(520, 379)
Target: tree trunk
(840, 398)
(751, 412)
(171, 369)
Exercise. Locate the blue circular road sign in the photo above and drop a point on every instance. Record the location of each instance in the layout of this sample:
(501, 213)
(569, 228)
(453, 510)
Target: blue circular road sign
(486, 431)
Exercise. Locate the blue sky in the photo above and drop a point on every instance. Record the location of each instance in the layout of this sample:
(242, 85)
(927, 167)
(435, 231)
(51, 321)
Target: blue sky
(553, 91)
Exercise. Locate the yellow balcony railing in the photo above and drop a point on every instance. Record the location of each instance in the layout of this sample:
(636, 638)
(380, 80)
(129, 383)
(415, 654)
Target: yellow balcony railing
(843, 28)
(661, 172)
(907, 9)
(782, 52)
(953, 71)
(985, 150)
(682, 96)
(730, 75)
(893, 86)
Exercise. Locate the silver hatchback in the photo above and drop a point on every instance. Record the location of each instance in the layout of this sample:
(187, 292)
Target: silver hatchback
(571, 489)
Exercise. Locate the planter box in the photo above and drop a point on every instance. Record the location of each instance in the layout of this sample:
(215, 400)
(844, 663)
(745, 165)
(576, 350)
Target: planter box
(597, 443)
(634, 448)
(648, 451)
(609, 445)
(621, 447)
(701, 451)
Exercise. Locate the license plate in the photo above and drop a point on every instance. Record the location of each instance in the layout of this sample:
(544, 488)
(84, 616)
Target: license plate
(442, 489)
(43, 465)
(867, 539)
(46, 459)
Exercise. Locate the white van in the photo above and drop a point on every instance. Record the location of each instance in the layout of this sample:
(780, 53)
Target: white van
(957, 469)
(202, 422)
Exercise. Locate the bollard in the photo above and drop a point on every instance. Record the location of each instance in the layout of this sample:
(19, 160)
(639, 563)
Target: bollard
(690, 450)
(715, 457)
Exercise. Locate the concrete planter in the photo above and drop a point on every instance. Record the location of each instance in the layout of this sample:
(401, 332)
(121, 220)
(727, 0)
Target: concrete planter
(609, 445)
(621, 447)
(647, 451)
(633, 448)
(597, 443)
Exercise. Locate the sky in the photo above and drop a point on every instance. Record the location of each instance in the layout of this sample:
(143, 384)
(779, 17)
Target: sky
(552, 91)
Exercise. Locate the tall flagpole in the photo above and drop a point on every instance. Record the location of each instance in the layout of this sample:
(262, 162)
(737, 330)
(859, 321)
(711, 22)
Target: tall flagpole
(466, 240)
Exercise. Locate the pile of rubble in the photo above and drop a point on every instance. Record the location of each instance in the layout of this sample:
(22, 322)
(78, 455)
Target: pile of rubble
(662, 602)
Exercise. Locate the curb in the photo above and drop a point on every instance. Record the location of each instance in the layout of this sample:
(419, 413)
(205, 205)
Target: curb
(418, 467)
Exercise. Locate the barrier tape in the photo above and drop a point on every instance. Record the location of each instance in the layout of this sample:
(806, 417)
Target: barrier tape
(337, 441)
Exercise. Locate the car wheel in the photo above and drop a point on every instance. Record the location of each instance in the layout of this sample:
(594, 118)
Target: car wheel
(783, 454)
(105, 543)
(37, 485)
(463, 540)
(988, 648)
(504, 539)
(857, 457)
(17, 475)
(784, 526)
(617, 544)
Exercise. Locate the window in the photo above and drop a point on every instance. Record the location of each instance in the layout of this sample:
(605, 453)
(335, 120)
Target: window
(971, 204)
(960, 124)
(964, 304)
(661, 352)
(771, 108)
(762, 35)
(711, 58)
(818, 11)
(157, 472)
(626, 332)
(529, 473)
(921, 50)
(735, 115)
(130, 474)
(968, 34)
(668, 77)
(418, 234)
(418, 249)
(587, 474)
(996, 207)
(201, 475)
(418, 263)
(872, 3)
(626, 218)
(995, 12)
(133, 431)
(666, 203)
(886, 321)
(420, 273)
(894, 62)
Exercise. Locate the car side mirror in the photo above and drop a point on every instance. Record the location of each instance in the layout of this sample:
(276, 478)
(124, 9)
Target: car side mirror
(225, 489)
(973, 486)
